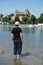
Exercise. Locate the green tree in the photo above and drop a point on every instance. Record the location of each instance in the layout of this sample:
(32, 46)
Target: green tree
(25, 19)
(11, 15)
(8, 19)
(11, 22)
(4, 19)
(33, 19)
(17, 18)
(1, 15)
(40, 19)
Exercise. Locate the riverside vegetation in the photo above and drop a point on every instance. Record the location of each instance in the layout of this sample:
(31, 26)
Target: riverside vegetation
(25, 19)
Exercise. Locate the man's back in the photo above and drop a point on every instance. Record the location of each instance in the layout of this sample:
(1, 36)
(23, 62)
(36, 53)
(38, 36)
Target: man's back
(16, 32)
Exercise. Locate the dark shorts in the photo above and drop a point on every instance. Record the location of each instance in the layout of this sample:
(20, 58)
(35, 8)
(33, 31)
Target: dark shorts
(17, 47)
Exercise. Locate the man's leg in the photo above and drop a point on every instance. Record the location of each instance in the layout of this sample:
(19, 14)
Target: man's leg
(19, 49)
(15, 49)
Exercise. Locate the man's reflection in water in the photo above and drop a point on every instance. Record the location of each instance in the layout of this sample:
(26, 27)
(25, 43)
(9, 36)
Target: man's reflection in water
(17, 62)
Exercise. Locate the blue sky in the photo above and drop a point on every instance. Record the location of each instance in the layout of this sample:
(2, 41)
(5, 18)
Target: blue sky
(9, 6)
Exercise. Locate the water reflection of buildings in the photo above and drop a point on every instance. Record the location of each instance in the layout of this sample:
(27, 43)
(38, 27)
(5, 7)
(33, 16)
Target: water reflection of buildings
(5, 28)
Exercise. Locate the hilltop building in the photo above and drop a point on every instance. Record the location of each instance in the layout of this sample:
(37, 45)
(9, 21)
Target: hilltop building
(21, 14)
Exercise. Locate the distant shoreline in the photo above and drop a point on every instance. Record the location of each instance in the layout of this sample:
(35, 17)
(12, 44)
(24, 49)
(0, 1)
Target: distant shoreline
(30, 25)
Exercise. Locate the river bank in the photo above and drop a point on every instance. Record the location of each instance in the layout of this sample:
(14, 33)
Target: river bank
(30, 25)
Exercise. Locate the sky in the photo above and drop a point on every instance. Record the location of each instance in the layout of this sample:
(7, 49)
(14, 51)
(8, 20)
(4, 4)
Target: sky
(35, 7)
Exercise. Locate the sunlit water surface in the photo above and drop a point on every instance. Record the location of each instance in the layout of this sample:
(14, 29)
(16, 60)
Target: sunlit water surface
(32, 50)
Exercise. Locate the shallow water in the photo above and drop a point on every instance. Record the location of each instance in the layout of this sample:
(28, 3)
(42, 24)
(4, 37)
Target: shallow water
(32, 50)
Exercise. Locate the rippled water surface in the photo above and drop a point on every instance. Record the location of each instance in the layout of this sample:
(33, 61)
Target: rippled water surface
(32, 50)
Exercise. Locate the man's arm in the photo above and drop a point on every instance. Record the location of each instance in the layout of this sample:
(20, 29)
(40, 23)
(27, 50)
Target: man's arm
(12, 36)
(21, 36)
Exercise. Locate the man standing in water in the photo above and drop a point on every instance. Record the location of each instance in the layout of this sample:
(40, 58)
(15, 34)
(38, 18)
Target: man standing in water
(16, 34)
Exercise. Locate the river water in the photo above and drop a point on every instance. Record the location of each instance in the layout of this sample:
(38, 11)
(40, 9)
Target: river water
(32, 50)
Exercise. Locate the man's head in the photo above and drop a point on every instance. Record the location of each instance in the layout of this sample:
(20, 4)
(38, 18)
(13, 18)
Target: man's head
(16, 23)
